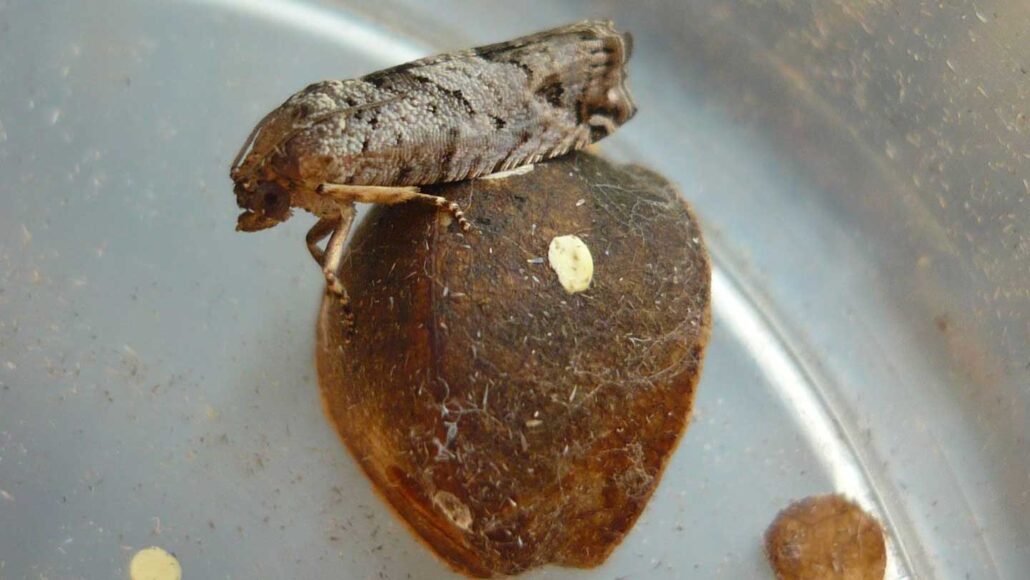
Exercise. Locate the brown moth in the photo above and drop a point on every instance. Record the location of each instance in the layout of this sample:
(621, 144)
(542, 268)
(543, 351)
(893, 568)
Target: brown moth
(449, 117)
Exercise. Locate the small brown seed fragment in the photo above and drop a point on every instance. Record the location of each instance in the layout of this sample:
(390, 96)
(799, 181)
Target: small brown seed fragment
(826, 537)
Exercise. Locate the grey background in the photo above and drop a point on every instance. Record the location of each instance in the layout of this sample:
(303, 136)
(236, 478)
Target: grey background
(861, 169)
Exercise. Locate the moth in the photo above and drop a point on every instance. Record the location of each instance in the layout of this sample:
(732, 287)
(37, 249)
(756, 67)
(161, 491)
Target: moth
(454, 116)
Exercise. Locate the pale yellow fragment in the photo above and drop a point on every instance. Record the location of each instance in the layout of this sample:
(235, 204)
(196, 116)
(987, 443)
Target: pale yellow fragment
(452, 507)
(509, 173)
(570, 258)
(154, 564)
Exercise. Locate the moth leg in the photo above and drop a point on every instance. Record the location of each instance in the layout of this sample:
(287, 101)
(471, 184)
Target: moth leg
(334, 253)
(368, 193)
(390, 196)
(450, 206)
(331, 257)
(316, 234)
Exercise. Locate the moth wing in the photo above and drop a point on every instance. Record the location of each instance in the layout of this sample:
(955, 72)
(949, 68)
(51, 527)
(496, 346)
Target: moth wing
(378, 77)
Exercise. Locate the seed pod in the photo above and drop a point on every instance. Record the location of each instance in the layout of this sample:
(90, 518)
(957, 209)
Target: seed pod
(509, 422)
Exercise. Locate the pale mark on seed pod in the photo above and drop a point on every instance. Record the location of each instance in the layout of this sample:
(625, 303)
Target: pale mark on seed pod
(511, 172)
(570, 258)
(452, 507)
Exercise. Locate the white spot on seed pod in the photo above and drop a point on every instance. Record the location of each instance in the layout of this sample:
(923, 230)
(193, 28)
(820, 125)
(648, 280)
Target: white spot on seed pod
(452, 507)
(570, 258)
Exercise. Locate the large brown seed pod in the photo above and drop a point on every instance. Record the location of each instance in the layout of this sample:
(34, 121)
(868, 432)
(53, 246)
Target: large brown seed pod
(510, 423)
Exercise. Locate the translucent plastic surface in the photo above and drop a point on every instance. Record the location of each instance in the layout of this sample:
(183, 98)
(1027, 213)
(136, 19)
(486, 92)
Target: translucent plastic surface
(156, 375)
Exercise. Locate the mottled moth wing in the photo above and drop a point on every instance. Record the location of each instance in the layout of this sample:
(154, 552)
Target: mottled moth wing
(465, 114)
(443, 118)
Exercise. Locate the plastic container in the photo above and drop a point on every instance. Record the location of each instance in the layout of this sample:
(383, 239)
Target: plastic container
(860, 169)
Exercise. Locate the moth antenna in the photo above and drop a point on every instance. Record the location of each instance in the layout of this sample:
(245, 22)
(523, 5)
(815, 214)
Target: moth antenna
(248, 143)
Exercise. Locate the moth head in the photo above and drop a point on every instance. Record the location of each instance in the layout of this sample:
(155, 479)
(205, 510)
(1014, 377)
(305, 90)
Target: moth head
(262, 166)
(267, 164)
(266, 203)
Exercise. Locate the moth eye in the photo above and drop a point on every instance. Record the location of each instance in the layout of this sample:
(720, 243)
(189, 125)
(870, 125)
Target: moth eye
(275, 200)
